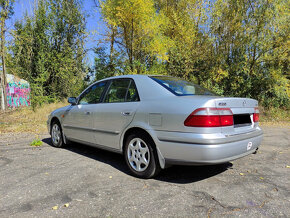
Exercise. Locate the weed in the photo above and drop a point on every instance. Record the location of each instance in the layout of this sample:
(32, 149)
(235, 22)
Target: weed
(36, 142)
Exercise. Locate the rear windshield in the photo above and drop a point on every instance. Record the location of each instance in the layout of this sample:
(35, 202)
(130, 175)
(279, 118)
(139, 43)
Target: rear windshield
(181, 87)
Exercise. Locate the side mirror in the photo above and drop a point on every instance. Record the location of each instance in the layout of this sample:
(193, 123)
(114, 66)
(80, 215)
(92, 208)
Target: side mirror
(72, 100)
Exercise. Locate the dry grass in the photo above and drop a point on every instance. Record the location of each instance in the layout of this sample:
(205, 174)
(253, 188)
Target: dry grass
(26, 120)
(274, 117)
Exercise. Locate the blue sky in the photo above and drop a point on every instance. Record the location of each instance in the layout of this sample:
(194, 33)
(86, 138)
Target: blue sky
(95, 26)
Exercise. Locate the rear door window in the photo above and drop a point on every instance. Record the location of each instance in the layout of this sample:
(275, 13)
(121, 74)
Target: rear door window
(122, 90)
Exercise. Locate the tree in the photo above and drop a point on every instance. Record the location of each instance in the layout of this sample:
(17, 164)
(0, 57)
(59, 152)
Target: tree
(48, 50)
(138, 30)
(6, 7)
(251, 48)
(188, 57)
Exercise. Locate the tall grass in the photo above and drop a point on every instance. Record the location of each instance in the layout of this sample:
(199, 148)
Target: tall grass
(274, 116)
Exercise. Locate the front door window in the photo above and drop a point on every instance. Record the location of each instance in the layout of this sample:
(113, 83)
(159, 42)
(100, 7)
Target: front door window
(93, 94)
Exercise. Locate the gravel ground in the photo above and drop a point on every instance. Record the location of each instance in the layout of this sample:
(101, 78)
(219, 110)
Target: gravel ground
(80, 181)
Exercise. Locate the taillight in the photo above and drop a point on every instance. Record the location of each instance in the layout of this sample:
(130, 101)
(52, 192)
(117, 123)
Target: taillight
(256, 115)
(210, 117)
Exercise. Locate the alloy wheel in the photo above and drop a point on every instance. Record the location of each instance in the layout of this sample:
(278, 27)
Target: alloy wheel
(138, 154)
(56, 134)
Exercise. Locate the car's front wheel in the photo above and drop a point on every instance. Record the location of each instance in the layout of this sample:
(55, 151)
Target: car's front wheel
(141, 156)
(56, 135)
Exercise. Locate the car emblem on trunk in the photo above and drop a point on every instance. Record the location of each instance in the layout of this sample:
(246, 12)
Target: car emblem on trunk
(222, 104)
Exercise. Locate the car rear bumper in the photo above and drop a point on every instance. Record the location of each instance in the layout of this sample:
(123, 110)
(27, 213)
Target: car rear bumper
(203, 149)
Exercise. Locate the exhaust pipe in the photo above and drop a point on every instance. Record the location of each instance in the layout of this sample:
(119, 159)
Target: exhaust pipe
(255, 152)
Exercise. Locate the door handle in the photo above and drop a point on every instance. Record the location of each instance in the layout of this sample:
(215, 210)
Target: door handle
(87, 113)
(126, 113)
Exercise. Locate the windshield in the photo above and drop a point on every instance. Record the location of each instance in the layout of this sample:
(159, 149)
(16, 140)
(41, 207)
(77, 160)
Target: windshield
(181, 87)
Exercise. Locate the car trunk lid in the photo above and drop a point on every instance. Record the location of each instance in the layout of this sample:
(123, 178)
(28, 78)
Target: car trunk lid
(243, 110)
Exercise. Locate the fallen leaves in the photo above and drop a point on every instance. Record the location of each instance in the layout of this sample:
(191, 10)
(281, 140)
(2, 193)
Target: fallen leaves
(248, 171)
(56, 206)
(287, 166)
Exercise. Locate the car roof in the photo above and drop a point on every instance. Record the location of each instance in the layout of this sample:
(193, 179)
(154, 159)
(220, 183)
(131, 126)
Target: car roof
(147, 88)
(133, 76)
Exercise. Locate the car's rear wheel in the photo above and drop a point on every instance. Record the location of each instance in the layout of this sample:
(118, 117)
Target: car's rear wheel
(56, 135)
(141, 156)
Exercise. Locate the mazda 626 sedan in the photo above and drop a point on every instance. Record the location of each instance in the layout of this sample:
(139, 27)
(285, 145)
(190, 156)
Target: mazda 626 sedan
(156, 121)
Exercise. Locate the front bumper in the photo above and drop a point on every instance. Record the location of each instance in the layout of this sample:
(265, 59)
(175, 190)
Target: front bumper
(203, 149)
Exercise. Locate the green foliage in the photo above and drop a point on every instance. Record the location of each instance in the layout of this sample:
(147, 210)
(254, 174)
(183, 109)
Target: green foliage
(138, 29)
(250, 43)
(6, 7)
(36, 142)
(106, 65)
(48, 50)
(233, 47)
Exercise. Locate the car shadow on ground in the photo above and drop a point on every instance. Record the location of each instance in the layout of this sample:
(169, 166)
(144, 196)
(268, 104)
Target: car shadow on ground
(173, 174)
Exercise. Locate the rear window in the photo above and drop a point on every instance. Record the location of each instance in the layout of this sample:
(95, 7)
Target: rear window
(181, 87)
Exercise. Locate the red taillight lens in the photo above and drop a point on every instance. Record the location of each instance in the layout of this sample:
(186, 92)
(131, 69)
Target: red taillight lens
(210, 117)
(227, 120)
(256, 115)
(202, 121)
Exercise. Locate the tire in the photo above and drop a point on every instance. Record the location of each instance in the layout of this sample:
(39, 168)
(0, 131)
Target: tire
(141, 156)
(56, 135)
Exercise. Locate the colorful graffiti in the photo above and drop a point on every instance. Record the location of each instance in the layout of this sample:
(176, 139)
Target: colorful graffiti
(18, 92)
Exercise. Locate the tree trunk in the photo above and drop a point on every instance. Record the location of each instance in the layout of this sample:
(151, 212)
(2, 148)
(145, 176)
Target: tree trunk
(3, 79)
(2, 96)
(131, 52)
(112, 41)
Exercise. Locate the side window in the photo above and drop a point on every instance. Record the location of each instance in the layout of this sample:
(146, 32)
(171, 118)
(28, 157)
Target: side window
(122, 90)
(132, 94)
(93, 94)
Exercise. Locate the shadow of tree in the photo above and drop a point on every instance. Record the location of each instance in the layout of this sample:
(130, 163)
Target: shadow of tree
(173, 174)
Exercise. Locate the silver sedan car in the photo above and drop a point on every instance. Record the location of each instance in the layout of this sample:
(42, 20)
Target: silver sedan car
(157, 121)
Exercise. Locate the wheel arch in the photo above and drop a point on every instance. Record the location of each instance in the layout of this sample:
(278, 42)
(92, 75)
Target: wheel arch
(53, 119)
(144, 131)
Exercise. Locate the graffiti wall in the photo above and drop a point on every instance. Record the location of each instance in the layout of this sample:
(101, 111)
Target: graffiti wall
(18, 92)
